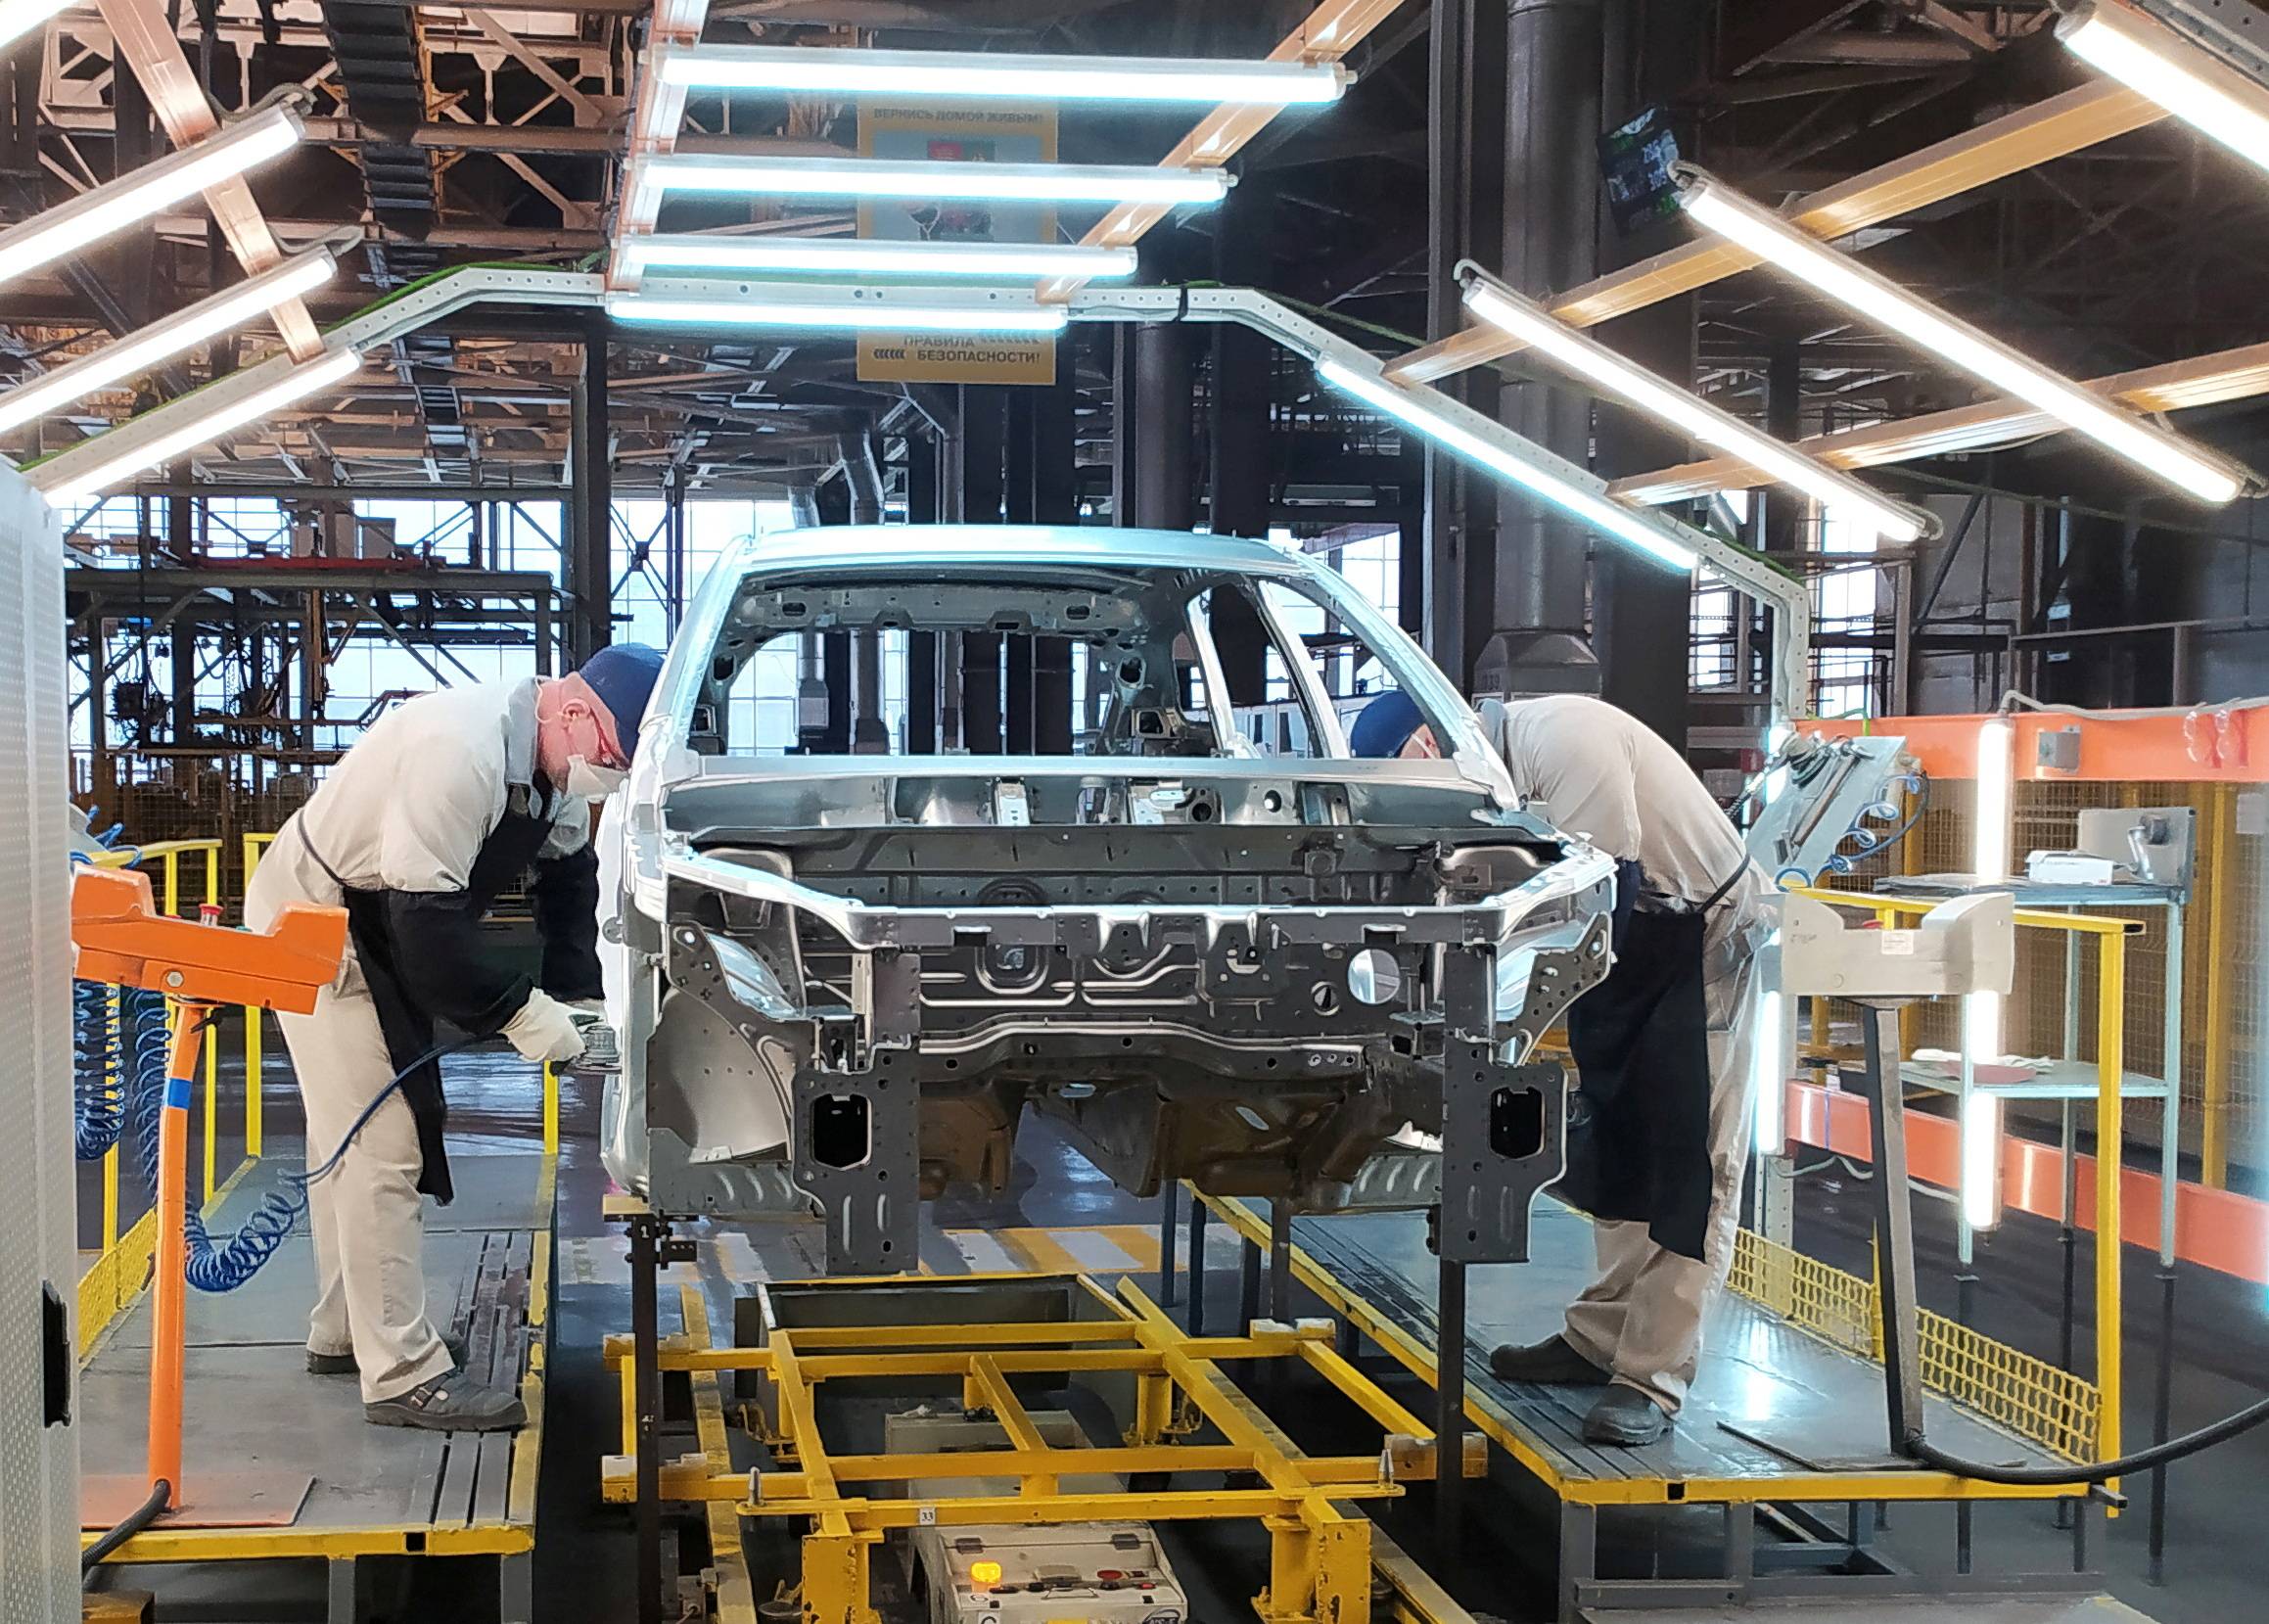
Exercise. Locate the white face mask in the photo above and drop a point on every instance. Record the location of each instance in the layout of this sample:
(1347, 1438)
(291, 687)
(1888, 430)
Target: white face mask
(591, 782)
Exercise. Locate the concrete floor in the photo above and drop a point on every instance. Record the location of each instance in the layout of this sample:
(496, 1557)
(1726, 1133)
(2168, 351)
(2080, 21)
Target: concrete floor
(2218, 1567)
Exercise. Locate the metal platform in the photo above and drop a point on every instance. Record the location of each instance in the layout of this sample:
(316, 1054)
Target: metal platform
(1777, 1424)
(251, 1407)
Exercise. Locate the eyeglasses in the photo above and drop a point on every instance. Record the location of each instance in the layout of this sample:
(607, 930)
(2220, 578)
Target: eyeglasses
(611, 754)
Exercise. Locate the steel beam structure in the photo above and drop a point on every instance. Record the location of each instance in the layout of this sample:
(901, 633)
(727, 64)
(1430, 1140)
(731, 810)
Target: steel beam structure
(152, 52)
(1993, 151)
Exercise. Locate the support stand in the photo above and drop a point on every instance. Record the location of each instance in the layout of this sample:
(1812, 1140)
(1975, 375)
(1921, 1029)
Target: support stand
(1450, 1406)
(1197, 1218)
(653, 1246)
(1167, 1234)
(1894, 1226)
(1281, 1261)
(2161, 1416)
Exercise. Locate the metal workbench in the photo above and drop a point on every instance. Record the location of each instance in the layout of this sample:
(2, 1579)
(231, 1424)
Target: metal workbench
(251, 1406)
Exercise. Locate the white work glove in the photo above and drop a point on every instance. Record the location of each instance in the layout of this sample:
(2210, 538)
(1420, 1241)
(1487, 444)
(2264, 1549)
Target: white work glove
(544, 1030)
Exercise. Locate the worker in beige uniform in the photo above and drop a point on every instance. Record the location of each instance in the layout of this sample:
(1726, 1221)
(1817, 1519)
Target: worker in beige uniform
(446, 802)
(1664, 1048)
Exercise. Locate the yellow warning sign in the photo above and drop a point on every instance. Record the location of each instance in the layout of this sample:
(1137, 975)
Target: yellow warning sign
(888, 128)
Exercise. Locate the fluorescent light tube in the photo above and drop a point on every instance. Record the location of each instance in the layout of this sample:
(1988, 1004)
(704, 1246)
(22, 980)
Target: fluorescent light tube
(1772, 1077)
(1875, 298)
(296, 385)
(1981, 1159)
(2183, 77)
(1593, 361)
(1407, 407)
(139, 351)
(111, 206)
(20, 17)
(933, 179)
(800, 70)
(1989, 863)
(746, 311)
(864, 257)
(1989, 840)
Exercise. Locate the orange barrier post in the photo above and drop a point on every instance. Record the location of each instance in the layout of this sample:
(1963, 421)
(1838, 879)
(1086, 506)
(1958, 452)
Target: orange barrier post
(169, 1285)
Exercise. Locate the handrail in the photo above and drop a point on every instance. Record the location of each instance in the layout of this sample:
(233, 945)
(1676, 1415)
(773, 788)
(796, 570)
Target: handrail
(2085, 924)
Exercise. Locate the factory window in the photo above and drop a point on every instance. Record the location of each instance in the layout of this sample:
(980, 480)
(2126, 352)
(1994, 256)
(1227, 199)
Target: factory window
(1847, 670)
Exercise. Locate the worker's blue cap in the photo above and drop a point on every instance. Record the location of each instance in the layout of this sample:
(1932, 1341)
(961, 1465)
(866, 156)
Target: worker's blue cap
(623, 676)
(1385, 725)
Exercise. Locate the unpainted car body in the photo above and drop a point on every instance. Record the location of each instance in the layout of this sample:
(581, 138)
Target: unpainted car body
(846, 970)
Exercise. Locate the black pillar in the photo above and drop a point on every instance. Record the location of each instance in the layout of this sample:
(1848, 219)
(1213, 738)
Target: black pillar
(182, 545)
(1242, 463)
(1155, 484)
(1464, 208)
(590, 553)
(1547, 242)
(1055, 500)
(1023, 411)
(984, 434)
(924, 507)
(1642, 615)
(1782, 524)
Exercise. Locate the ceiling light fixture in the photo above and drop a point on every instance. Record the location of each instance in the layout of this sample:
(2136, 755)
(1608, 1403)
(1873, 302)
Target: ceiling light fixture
(848, 310)
(1875, 298)
(1712, 425)
(111, 206)
(2187, 80)
(295, 385)
(869, 257)
(802, 70)
(932, 179)
(1438, 422)
(163, 340)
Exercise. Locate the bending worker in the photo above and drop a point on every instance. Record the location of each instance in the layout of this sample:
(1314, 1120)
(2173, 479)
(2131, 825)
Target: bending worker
(1660, 1125)
(446, 802)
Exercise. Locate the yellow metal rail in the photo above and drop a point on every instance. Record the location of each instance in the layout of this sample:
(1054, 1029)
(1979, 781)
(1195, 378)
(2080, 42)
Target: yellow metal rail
(1320, 1561)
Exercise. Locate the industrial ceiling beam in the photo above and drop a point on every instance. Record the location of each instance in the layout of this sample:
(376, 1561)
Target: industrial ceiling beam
(2204, 380)
(153, 51)
(2016, 141)
(657, 113)
(1329, 33)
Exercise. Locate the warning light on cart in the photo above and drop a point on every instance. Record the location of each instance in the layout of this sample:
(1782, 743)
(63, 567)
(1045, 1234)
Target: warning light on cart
(985, 1573)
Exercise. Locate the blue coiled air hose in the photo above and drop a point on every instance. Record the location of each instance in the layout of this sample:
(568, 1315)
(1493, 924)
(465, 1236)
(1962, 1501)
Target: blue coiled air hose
(97, 1077)
(224, 1264)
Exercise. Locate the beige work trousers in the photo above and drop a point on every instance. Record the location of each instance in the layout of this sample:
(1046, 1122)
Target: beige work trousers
(366, 1214)
(1641, 1317)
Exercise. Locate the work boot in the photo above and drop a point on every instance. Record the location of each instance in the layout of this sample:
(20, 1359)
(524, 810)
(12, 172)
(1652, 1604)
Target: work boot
(449, 1404)
(1554, 1362)
(1625, 1417)
(344, 1364)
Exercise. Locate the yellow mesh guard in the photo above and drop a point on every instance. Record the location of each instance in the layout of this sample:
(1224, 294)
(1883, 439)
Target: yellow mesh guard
(2028, 1396)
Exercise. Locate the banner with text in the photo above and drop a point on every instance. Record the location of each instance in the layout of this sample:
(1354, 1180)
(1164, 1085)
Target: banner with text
(967, 135)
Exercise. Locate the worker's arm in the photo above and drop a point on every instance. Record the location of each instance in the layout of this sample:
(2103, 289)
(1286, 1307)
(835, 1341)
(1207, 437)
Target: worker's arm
(431, 836)
(563, 895)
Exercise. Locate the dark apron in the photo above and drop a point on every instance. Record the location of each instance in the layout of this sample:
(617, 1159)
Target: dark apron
(504, 856)
(1639, 1123)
